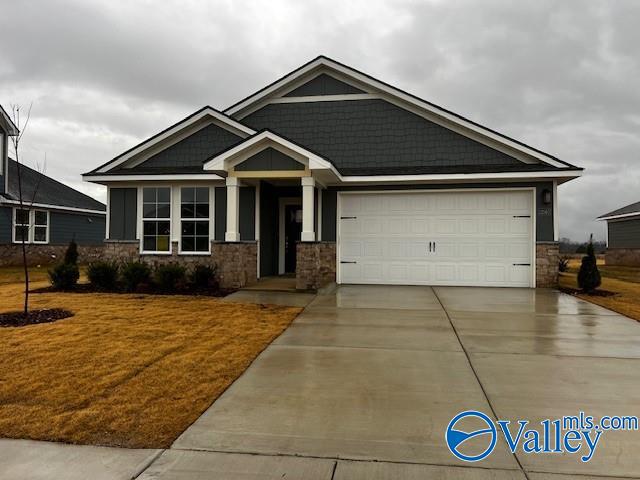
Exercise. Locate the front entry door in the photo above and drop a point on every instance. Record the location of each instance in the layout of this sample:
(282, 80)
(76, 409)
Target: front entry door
(292, 232)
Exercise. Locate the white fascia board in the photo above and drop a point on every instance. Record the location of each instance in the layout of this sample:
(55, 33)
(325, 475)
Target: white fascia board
(53, 207)
(398, 94)
(163, 177)
(207, 112)
(218, 162)
(622, 215)
(456, 177)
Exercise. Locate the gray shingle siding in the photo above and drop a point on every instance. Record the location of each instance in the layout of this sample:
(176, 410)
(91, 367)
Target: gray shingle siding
(624, 233)
(194, 150)
(84, 229)
(323, 84)
(374, 134)
(123, 206)
(544, 213)
(269, 159)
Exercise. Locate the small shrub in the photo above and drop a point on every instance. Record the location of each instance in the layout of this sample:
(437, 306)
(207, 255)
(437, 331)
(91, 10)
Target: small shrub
(71, 255)
(203, 277)
(563, 264)
(170, 277)
(135, 274)
(64, 276)
(589, 275)
(103, 275)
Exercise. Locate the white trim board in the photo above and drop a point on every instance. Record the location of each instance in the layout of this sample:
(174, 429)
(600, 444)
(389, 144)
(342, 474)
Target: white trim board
(434, 113)
(622, 215)
(48, 206)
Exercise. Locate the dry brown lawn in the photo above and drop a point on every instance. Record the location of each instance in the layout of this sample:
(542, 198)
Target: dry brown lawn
(627, 292)
(126, 370)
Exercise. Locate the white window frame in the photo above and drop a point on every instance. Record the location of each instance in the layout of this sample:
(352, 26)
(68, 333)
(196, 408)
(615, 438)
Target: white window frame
(208, 219)
(31, 226)
(156, 219)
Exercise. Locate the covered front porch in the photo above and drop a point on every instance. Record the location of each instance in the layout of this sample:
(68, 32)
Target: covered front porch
(274, 198)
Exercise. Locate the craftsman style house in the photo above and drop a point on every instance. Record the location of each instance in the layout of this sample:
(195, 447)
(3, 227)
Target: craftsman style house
(334, 176)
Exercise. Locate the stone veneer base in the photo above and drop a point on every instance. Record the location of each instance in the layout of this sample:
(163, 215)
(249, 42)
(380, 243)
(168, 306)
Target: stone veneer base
(235, 262)
(547, 257)
(11, 255)
(629, 257)
(315, 265)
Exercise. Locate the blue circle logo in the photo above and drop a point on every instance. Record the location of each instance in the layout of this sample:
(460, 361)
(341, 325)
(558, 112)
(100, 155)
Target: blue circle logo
(456, 438)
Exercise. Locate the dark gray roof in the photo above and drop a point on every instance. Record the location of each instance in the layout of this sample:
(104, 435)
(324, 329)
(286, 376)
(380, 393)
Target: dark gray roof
(367, 136)
(47, 190)
(633, 208)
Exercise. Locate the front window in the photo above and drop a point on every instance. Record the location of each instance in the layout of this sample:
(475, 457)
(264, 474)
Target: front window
(194, 219)
(32, 226)
(156, 220)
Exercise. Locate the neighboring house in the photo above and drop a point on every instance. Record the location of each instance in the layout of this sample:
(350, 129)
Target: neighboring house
(332, 175)
(53, 213)
(623, 235)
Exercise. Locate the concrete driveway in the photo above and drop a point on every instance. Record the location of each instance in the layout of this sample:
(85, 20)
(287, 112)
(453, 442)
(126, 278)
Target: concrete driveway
(365, 381)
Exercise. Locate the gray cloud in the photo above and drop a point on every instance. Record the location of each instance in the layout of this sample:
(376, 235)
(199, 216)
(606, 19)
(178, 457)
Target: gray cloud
(560, 76)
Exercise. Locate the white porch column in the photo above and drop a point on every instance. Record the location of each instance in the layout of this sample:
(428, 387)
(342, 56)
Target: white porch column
(232, 233)
(308, 224)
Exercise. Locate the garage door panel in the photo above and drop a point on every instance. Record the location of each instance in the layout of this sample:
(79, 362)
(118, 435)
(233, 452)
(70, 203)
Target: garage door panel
(478, 237)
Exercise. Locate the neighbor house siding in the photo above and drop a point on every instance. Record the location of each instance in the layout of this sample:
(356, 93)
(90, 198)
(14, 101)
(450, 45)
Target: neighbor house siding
(624, 233)
(123, 207)
(83, 228)
(6, 221)
(544, 213)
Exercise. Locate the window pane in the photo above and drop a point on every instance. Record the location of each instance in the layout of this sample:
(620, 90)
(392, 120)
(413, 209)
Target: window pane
(202, 244)
(41, 218)
(202, 195)
(187, 210)
(202, 228)
(163, 243)
(164, 211)
(188, 244)
(149, 244)
(149, 228)
(187, 195)
(188, 228)
(163, 228)
(149, 195)
(20, 231)
(40, 234)
(22, 217)
(164, 195)
(149, 210)
(202, 210)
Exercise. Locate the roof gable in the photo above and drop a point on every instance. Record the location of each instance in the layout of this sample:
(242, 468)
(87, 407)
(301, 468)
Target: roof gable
(7, 124)
(275, 91)
(269, 159)
(323, 84)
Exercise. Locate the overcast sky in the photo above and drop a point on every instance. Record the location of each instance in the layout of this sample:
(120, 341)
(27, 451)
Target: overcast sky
(559, 75)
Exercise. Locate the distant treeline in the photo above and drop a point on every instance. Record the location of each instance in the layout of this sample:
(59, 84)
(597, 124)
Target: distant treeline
(568, 246)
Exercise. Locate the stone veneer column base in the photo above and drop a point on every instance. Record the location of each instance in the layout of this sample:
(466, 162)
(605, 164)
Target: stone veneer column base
(236, 262)
(547, 257)
(629, 257)
(11, 254)
(315, 265)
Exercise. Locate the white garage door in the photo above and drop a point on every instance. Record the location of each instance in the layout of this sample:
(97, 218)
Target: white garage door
(482, 238)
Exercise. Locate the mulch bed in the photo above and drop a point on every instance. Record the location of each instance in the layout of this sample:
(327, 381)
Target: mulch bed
(17, 319)
(595, 293)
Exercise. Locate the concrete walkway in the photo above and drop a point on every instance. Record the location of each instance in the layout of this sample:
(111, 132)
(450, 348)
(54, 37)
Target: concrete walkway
(365, 381)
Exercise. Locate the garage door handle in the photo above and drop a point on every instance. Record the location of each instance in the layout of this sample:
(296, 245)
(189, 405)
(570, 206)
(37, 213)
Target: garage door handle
(348, 218)
(521, 264)
(342, 261)
(522, 216)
